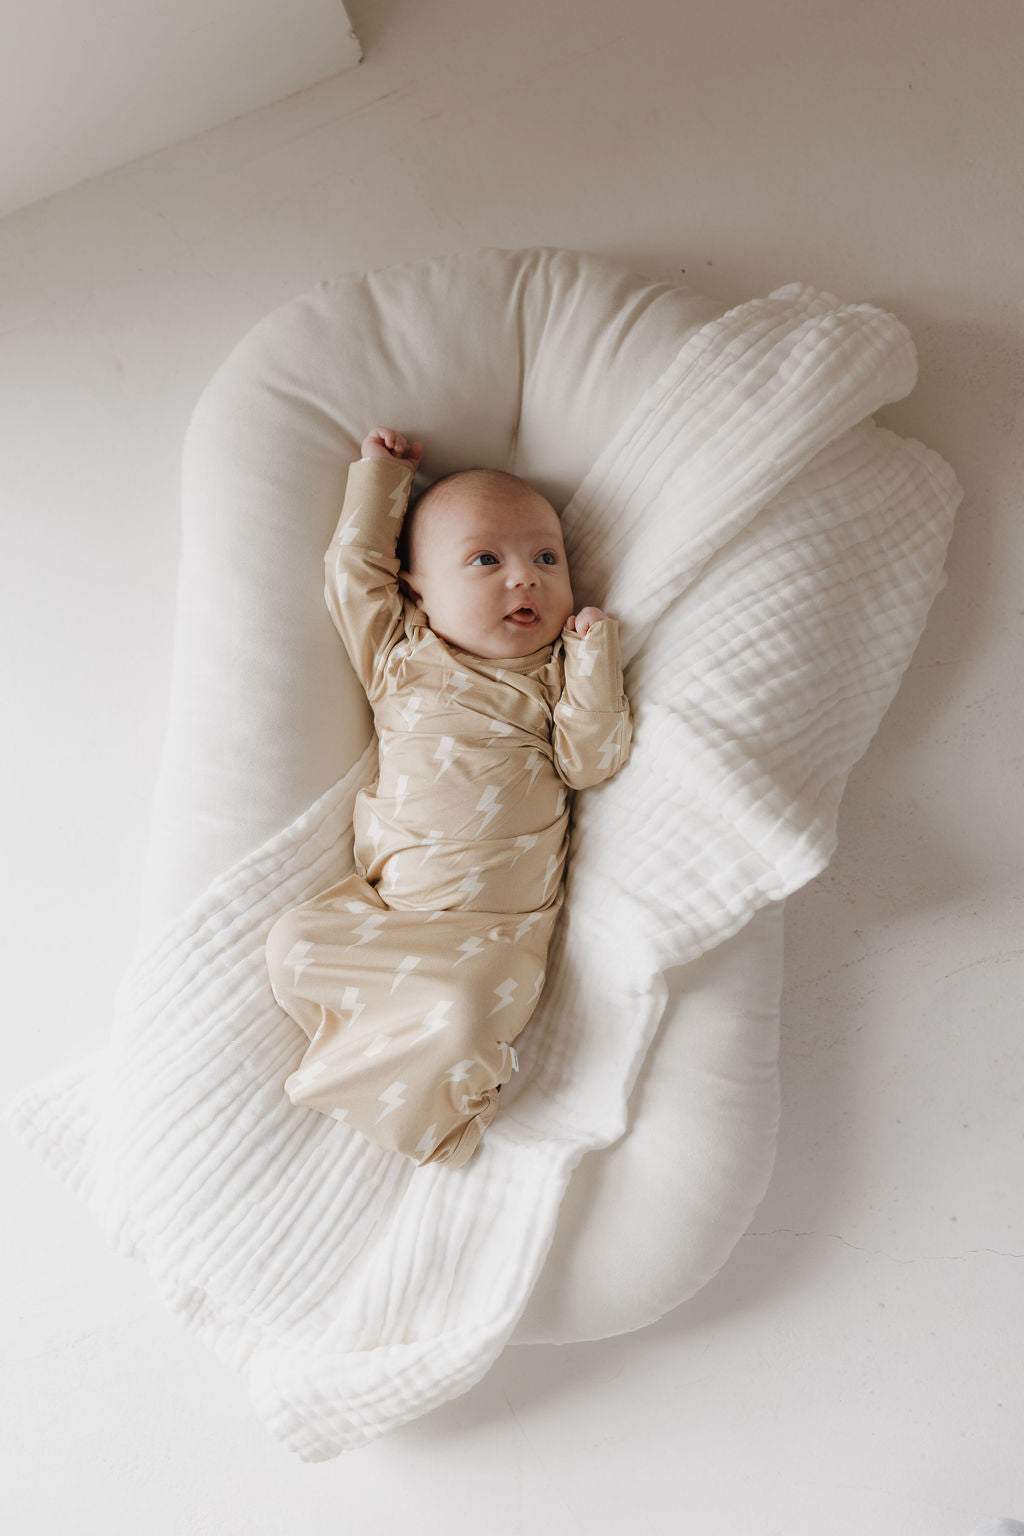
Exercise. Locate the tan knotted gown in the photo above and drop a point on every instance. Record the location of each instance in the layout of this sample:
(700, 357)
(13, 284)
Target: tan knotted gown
(413, 976)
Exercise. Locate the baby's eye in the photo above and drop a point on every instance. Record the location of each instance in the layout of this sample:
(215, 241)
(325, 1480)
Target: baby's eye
(485, 556)
(549, 557)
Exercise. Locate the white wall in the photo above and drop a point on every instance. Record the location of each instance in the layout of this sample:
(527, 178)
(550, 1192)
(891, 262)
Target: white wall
(856, 1367)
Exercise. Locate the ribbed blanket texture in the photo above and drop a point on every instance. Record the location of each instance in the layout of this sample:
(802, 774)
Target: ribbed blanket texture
(771, 556)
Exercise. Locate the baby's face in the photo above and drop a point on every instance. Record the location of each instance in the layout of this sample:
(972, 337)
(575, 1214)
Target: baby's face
(488, 567)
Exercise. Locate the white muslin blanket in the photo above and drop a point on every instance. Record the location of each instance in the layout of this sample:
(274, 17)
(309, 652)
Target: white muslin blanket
(771, 556)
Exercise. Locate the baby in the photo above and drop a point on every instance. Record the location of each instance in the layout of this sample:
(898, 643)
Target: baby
(491, 700)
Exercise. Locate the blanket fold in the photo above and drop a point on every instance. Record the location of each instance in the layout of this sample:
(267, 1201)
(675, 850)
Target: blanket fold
(771, 556)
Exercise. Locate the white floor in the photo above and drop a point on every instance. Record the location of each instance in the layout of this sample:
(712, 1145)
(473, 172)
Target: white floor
(856, 1368)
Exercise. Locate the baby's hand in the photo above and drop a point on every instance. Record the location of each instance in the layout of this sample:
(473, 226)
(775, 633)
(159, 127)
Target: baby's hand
(386, 443)
(582, 621)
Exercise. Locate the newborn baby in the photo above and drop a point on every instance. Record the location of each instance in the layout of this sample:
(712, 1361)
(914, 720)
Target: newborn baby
(491, 699)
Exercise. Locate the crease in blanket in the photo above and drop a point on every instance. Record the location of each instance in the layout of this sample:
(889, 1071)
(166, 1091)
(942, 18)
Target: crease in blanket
(771, 556)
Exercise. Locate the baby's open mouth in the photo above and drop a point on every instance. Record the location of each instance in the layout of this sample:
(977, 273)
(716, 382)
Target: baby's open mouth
(522, 616)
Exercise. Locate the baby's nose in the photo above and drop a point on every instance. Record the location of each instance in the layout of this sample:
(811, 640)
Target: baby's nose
(520, 574)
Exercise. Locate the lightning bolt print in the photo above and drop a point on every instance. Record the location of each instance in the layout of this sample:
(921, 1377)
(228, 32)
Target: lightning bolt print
(523, 844)
(298, 957)
(430, 843)
(459, 1072)
(377, 1044)
(535, 768)
(369, 929)
(609, 747)
(445, 754)
(471, 886)
(469, 948)
(585, 659)
(397, 498)
(401, 790)
(375, 832)
(391, 1098)
(427, 1140)
(350, 1003)
(489, 805)
(411, 711)
(505, 993)
(524, 927)
(456, 684)
(436, 1019)
(404, 967)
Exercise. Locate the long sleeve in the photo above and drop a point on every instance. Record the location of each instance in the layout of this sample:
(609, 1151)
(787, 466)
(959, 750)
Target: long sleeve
(361, 567)
(592, 724)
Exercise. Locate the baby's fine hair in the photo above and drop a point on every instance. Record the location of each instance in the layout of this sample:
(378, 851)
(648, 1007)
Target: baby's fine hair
(497, 479)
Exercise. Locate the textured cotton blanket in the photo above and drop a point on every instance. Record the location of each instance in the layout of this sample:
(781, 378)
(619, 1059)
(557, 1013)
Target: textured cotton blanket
(771, 556)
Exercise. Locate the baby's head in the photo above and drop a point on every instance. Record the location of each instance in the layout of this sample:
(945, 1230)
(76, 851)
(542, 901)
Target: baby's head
(482, 554)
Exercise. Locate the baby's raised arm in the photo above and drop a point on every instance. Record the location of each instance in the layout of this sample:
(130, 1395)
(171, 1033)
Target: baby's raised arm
(361, 565)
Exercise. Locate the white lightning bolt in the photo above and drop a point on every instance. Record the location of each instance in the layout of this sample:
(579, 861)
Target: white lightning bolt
(505, 993)
(537, 988)
(608, 748)
(350, 1003)
(524, 843)
(525, 926)
(398, 496)
(457, 683)
(471, 885)
(401, 790)
(536, 767)
(306, 1075)
(427, 1140)
(430, 843)
(341, 586)
(445, 754)
(351, 528)
(296, 957)
(553, 866)
(375, 832)
(502, 727)
(404, 967)
(410, 712)
(562, 793)
(460, 1071)
(470, 947)
(436, 1019)
(337, 1113)
(391, 1098)
(369, 929)
(377, 1044)
(585, 659)
(489, 804)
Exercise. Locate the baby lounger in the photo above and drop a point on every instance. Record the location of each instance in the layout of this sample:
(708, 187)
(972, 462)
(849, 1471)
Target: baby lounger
(771, 557)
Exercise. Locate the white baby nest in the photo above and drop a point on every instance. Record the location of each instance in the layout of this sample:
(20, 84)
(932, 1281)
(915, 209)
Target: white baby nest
(524, 360)
(537, 361)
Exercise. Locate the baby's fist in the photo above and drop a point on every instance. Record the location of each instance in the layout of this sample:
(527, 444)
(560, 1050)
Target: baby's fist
(583, 620)
(386, 443)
